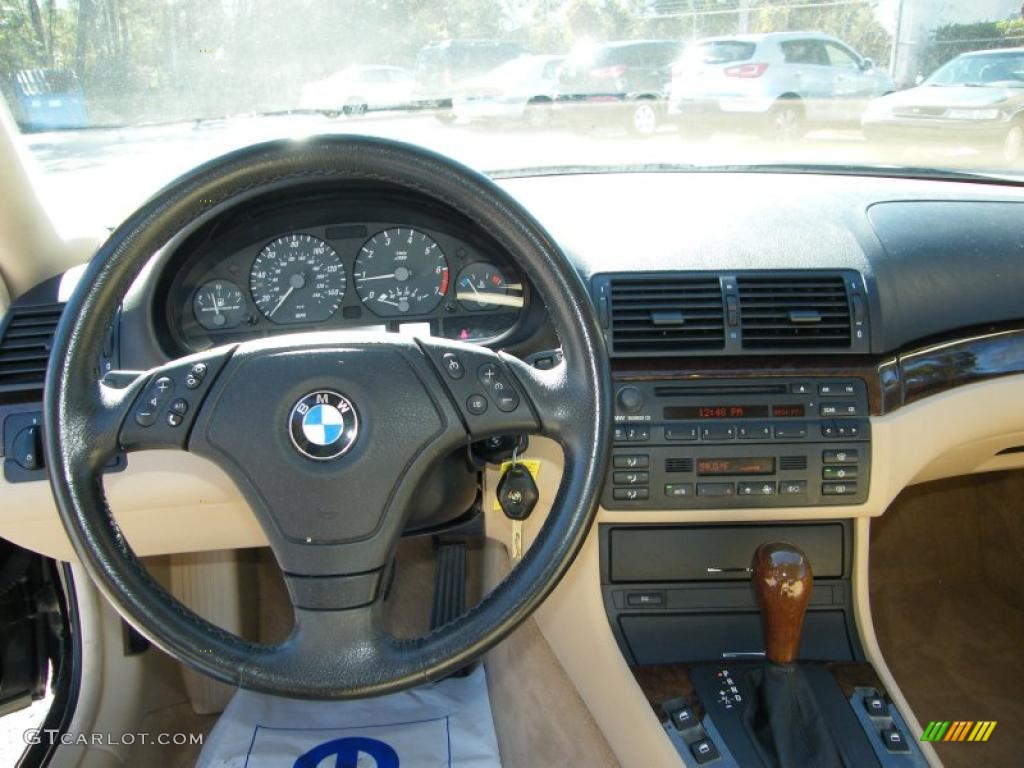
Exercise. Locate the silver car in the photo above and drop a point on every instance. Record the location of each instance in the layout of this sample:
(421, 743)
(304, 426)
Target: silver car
(783, 82)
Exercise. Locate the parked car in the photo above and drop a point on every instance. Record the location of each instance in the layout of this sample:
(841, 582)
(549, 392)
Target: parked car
(781, 82)
(630, 77)
(975, 99)
(48, 99)
(521, 90)
(356, 90)
(441, 66)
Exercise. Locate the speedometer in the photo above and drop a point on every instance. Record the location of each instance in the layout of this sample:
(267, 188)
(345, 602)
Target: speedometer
(401, 271)
(297, 279)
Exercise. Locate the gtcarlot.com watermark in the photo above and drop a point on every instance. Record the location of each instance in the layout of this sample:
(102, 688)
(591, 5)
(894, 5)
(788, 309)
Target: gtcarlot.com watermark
(52, 737)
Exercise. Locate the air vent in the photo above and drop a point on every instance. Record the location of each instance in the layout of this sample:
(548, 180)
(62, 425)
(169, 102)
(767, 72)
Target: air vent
(25, 341)
(792, 462)
(794, 312)
(666, 315)
(674, 466)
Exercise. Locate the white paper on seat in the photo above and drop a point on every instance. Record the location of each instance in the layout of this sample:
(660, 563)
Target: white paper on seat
(442, 724)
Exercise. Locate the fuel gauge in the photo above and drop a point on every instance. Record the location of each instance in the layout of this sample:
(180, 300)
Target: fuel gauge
(482, 286)
(219, 305)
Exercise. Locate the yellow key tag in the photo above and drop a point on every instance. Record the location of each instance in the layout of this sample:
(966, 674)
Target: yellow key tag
(532, 466)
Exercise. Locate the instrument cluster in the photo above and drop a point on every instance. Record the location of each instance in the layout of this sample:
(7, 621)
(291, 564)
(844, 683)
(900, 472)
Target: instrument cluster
(381, 275)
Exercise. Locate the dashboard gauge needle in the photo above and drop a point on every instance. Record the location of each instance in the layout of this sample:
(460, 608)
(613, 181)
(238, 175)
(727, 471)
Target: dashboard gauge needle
(282, 301)
(376, 277)
(213, 300)
(395, 304)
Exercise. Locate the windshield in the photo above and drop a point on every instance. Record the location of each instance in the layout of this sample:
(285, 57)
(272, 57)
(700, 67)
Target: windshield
(114, 98)
(1003, 69)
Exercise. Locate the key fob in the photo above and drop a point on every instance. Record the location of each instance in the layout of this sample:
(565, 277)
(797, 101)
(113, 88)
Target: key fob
(517, 492)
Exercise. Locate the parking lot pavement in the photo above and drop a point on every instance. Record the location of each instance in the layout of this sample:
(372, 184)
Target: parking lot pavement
(75, 164)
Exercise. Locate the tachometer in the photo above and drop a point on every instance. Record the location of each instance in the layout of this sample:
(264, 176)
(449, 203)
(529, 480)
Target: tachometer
(401, 271)
(297, 279)
(218, 305)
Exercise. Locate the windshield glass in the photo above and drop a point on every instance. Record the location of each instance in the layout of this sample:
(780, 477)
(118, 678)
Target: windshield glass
(114, 98)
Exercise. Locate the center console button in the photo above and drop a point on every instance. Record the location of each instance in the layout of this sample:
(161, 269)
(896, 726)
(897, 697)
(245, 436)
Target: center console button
(838, 489)
(630, 494)
(839, 388)
(630, 400)
(681, 433)
(793, 488)
(840, 456)
(763, 488)
(638, 434)
(704, 751)
(718, 432)
(894, 740)
(679, 490)
(716, 489)
(842, 472)
(837, 409)
(631, 461)
(631, 478)
(754, 432)
(791, 431)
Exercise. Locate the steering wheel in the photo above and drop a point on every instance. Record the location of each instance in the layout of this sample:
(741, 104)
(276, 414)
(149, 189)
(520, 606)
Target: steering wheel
(327, 435)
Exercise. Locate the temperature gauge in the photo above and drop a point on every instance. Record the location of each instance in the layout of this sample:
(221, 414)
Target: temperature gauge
(482, 286)
(218, 305)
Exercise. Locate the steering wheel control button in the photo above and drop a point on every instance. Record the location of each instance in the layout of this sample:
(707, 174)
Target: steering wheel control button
(195, 375)
(153, 401)
(180, 406)
(323, 425)
(173, 419)
(476, 404)
(453, 365)
(498, 387)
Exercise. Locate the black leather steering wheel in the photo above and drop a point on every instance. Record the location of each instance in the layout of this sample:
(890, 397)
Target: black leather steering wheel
(327, 435)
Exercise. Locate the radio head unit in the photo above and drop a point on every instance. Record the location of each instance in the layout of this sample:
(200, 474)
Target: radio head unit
(739, 443)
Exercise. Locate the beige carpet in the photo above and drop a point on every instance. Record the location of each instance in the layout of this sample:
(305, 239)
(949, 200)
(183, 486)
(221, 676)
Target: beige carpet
(947, 597)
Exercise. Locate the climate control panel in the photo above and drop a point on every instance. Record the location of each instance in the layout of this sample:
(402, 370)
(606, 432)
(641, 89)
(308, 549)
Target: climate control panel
(723, 443)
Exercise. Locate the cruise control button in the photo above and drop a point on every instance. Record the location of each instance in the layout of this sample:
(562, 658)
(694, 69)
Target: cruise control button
(453, 365)
(631, 494)
(152, 402)
(195, 375)
(507, 402)
(476, 404)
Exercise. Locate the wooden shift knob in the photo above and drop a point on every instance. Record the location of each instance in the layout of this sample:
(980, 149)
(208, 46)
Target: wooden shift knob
(782, 581)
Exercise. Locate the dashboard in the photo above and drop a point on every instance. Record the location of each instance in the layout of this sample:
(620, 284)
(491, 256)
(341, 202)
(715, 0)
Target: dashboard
(366, 261)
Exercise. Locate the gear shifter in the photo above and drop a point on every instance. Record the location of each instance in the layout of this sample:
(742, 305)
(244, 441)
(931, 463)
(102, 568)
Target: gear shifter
(782, 581)
(783, 717)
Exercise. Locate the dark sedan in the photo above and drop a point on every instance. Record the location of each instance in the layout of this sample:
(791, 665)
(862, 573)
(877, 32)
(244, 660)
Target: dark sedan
(975, 100)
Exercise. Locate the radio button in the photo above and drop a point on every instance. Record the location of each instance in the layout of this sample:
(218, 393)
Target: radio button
(847, 428)
(789, 431)
(793, 488)
(620, 434)
(678, 490)
(838, 409)
(800, 388)
(840, 456)
(756, 489)
(838, 489)
(681, 433)
(630, 399)
(718, 432)
(840, 388)
(754, 432)
(635, 461)
(638, 434)
(631, 478)
(630, 494)
(828, 429)
(839, 473)
(716, 489)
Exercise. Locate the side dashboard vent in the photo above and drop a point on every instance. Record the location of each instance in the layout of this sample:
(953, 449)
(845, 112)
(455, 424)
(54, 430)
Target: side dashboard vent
(661, 314)
(794, 312)
(26, 335)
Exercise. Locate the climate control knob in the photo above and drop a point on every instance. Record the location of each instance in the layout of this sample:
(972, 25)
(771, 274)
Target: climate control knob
(630, 399)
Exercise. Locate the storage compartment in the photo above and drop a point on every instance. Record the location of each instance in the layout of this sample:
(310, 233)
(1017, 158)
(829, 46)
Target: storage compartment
(686, 553)
(701, 636)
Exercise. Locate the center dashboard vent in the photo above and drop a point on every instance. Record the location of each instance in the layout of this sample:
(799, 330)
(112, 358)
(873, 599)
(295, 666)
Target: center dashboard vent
(794, 312)
(659, 315)
(26, 335)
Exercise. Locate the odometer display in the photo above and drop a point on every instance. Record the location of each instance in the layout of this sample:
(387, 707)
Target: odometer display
(401, 271)
(297, 279)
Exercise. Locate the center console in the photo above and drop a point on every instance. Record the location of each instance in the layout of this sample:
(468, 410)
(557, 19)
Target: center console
(731, 443)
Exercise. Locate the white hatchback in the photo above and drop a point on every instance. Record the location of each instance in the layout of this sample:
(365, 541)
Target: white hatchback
(782, 82)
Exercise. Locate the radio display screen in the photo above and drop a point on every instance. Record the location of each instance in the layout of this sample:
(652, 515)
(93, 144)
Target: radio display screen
(741, 411)
(760, 465)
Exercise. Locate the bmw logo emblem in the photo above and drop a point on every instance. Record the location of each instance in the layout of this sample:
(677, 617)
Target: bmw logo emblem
(323, 425)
